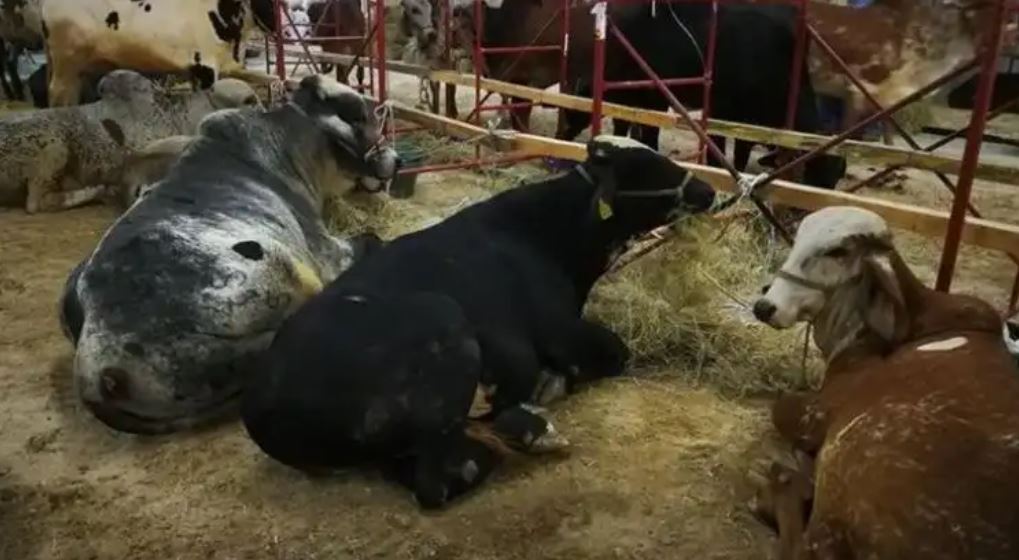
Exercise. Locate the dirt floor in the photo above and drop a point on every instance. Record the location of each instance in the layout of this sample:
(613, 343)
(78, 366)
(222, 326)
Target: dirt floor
(657, 467)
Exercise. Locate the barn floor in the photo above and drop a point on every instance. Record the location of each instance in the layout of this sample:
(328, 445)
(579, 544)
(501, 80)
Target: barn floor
(657, 470)
(71, 489)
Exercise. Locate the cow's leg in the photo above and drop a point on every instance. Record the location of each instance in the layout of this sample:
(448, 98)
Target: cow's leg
(525, 428)
(44, 186)
(647, 135)
(801, 420)
(510, 367)
(54, 201)
(584, 352)
(11, 63)
(741, 154)
(447, 466)
(572, 123)
(888, 132)
(784, 500)
(65, 84)
(521, 115)
(621, 127)
(433, 90)
(719, 141)
(4, 82)
(451, 108)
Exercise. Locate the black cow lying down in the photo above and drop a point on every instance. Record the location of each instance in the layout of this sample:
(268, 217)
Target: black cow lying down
(384, 365)
(197, 275)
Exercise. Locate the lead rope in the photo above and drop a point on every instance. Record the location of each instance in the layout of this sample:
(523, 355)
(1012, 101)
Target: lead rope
(806, 352)
(386, 130)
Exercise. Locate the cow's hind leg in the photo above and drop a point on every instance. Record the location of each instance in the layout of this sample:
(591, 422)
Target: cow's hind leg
(784, 500)
(720, 142)
(525, 427)
(586, 351)
(11, 63)
(447, 466)
(741, 154)
(65, 85)
(801, 420)
(510, 367)
(5, 84)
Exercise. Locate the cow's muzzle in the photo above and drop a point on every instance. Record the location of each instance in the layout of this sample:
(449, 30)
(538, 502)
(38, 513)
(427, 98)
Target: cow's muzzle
(692, 194)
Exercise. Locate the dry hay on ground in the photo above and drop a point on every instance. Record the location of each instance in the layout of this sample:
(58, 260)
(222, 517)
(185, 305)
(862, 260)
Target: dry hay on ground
(657, 469)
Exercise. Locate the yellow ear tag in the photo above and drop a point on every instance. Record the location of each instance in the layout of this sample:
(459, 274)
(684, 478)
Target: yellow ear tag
(604, 210)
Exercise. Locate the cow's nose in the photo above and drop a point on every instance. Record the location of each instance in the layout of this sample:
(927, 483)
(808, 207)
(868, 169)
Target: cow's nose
(698, 195)
(429, 36)
(113, 384)
(764, 310)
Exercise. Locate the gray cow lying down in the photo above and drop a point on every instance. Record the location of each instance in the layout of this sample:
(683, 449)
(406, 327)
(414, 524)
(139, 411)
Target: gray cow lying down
(51, 159)
(198, 274)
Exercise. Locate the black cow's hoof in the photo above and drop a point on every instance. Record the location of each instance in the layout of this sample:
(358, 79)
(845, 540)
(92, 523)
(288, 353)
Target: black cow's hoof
(525, 427)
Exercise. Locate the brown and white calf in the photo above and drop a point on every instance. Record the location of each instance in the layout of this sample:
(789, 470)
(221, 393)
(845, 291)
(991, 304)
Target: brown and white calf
(914, 434)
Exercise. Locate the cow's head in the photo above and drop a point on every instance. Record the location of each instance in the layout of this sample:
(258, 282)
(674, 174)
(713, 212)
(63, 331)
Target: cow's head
(231, 93)
(840, 266)
(420, 22)
(638, 189)
(166, 315)
(348, 120)
(126, 86)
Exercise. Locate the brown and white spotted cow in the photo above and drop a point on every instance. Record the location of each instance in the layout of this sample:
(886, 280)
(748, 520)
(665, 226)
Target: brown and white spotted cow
(894, 46)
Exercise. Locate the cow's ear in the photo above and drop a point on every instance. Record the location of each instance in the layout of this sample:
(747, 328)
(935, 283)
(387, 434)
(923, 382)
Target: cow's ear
(886, 313)
(600, 165)
(598, 152)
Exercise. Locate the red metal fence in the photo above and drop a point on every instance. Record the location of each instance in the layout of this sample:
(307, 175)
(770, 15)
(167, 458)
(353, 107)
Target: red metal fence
(986, 61)
(306, 36)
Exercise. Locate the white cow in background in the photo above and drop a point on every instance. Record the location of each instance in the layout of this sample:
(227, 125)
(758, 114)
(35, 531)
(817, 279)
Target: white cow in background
(203, 37)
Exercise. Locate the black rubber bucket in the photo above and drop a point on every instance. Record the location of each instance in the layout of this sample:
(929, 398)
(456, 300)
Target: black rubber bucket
(404, 184)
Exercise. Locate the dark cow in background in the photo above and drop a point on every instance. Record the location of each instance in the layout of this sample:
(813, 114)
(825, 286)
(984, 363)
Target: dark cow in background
(384, 365)
(751, 77)
(339, 18)
(20, 30)
(752, 70)
(197, 275)
(1006, 89)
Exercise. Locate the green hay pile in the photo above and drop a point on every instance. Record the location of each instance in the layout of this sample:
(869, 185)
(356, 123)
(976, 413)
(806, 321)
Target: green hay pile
(674, 307)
